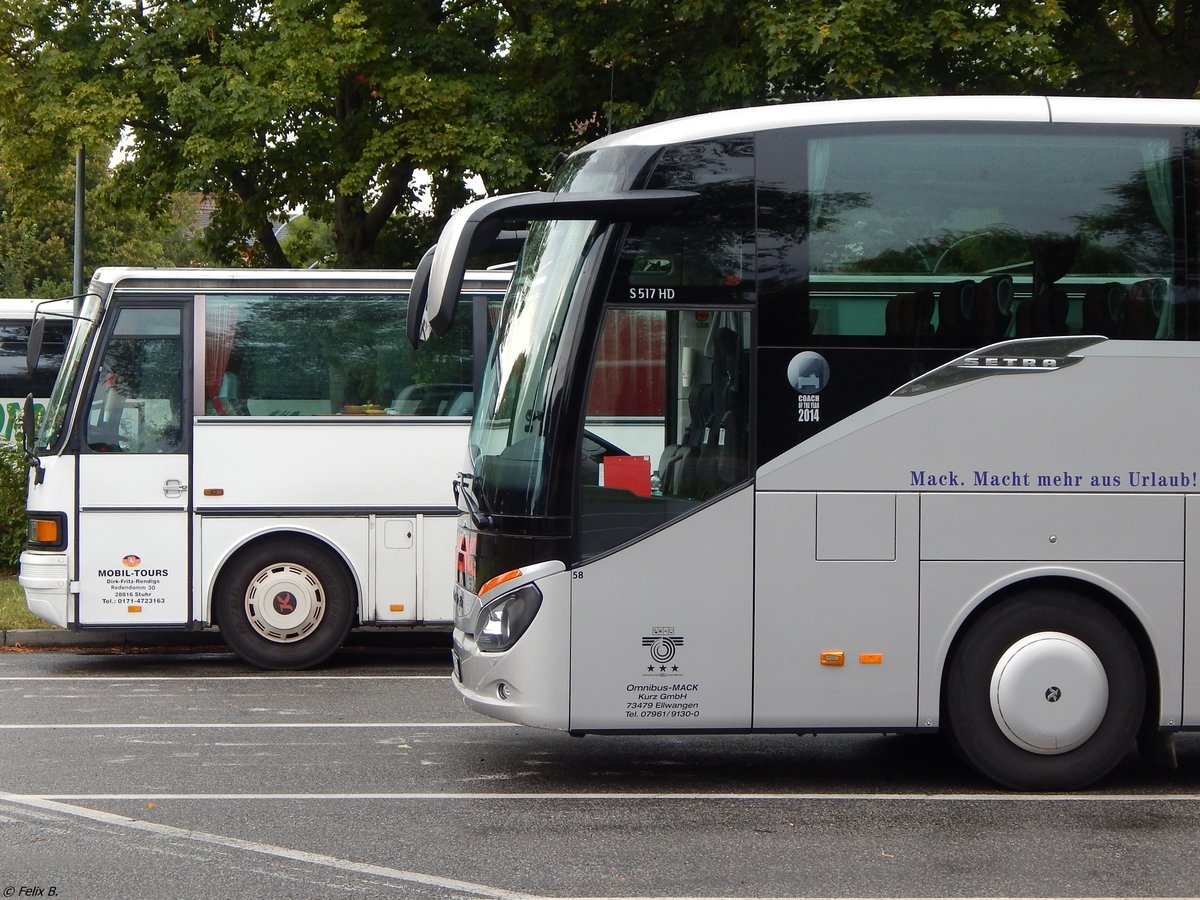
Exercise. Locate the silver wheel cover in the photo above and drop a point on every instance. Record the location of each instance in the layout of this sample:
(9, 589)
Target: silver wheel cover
(285, 602)
(1049, 692)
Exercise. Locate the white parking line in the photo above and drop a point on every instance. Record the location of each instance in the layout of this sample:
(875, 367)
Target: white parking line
(263, 677)
(317, 859)
(67, 726)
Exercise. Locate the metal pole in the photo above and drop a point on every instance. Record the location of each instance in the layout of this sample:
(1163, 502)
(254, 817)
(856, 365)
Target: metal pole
(77, 276)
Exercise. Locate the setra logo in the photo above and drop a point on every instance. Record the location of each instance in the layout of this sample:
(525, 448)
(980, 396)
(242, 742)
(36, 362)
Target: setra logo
(1021, 363)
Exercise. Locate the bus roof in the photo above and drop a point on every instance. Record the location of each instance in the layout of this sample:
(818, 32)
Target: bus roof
(1133, 111)
(247, 279)
(23, 307)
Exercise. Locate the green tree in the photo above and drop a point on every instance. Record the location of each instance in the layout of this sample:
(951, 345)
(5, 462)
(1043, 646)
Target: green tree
(1129, 48)
(37, 228)
(335, 107)
(270, 106)
(601, 66)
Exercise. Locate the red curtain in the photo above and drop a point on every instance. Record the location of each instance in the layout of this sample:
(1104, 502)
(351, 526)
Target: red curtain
(220, 325)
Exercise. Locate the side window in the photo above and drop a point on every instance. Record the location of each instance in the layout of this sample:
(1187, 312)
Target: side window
(329, 355)
(958, 238)
(667, 419)
(137, 402)
(15, 379)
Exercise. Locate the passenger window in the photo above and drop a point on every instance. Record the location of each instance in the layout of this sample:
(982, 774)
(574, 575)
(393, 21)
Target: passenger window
(323, 355)
(957, 238)
(137, 402)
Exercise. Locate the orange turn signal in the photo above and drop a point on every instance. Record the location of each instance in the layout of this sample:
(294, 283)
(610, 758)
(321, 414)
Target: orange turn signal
(492, 583)
(44, 531)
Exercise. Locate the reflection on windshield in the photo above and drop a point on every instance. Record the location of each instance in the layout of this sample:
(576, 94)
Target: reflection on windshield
(507, 447)
(51, 429)
(511, 418)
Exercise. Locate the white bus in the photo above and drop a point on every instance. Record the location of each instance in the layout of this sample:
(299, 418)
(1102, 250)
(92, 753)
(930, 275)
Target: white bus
(918, 372)
(257, 450)
(16, 380)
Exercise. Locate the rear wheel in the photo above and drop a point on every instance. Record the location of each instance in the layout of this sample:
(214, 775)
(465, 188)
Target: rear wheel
(1046, 691)
(285, 604)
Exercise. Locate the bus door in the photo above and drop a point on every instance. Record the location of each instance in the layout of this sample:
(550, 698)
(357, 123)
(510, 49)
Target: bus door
(661, 617)
(134, 497)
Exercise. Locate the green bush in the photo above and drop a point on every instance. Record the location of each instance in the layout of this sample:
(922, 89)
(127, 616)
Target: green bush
(13, 483)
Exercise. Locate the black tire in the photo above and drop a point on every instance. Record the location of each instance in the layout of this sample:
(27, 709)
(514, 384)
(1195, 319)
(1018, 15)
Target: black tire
(285, 604)
(1038, 635)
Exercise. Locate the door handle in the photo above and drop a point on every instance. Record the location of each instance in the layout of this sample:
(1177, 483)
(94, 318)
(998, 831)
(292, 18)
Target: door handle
(174, 488)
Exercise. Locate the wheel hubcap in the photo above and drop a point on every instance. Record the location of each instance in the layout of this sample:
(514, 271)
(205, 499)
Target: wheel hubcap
(1049, 692)
(285, 602)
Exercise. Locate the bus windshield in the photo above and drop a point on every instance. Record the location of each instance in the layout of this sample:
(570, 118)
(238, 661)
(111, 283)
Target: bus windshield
(51, 431)
(507, 447)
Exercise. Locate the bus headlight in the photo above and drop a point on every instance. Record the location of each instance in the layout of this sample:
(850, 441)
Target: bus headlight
(502, 622)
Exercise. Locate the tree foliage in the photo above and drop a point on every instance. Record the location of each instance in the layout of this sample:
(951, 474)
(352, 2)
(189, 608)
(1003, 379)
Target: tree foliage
(336, 106)
(37, 228)
(1130, 48)
(266, 107)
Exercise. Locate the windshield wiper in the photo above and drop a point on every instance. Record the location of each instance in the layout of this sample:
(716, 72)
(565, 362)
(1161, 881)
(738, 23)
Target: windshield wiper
(468, 501)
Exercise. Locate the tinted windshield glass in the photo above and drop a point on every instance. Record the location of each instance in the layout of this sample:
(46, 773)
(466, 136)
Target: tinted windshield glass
(507, 445)
(507, 436)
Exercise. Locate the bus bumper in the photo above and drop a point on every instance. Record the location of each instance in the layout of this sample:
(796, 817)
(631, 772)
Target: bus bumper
(529, 683)
(46, 581)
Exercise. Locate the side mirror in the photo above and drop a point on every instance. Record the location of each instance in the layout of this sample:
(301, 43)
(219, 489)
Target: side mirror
(29, 435)
(33, 350)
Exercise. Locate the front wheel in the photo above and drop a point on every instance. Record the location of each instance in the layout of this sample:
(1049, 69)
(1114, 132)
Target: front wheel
(1046, 691)
(285, 604)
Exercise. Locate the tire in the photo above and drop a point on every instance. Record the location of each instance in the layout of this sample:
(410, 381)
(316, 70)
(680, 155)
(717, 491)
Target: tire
(285, 604)
(1046, 691)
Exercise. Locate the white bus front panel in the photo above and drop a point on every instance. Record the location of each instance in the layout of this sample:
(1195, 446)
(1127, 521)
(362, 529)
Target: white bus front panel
(530, 682)
(133, 539)
(46, 575)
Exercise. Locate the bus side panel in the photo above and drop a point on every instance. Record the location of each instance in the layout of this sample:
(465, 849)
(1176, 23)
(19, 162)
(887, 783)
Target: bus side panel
(835, 610)
(1129, 546)
(661, 629)
(1011, 431)
(378, 462)
(951, 590)
(392, 591)
(436, 575)
(221, 537)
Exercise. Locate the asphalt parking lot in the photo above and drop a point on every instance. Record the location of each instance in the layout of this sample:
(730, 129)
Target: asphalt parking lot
(187, 774)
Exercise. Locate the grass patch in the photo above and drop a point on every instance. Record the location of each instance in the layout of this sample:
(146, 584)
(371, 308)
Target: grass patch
(13, 612)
